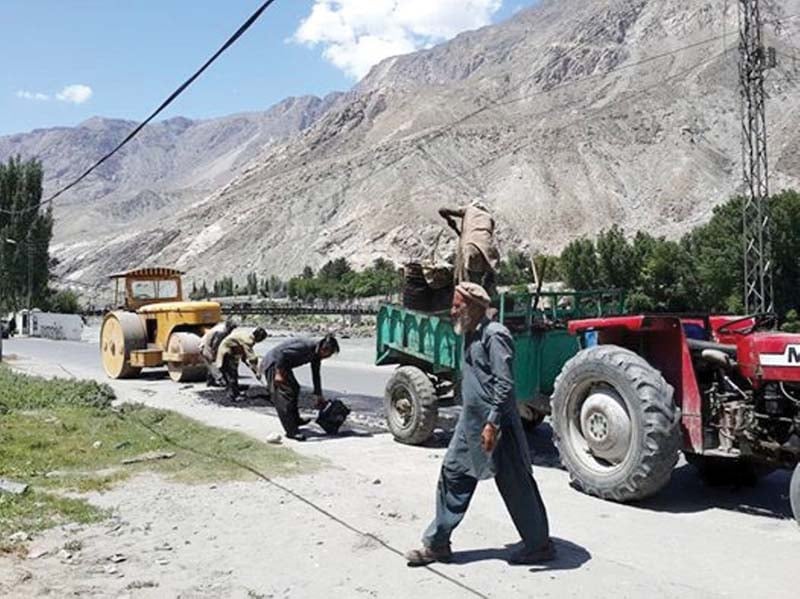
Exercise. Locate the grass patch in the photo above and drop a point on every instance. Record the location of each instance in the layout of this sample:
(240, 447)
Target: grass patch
(64, 436)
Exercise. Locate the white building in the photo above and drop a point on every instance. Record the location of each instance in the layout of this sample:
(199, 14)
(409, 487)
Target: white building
(67, 327)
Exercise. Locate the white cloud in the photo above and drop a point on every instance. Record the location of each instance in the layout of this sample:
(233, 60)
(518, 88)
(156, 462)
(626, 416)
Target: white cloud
(26, 95)
(77, 94)
(357, 34)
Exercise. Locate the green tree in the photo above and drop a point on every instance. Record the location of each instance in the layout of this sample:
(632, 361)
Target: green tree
(335, 269)
(515, 269)
(716, 250)
(579, 265)
(252, 284)
(618, 260)
(64, 302)
(25, 233)
(786, 250)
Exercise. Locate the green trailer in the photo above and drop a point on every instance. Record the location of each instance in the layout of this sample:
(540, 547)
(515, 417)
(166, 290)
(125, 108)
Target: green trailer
(428, 352)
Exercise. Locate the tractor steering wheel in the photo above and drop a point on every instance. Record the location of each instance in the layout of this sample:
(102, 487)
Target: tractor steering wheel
(763, 320)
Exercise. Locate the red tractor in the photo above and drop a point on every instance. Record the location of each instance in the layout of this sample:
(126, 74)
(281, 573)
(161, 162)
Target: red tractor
(724, 390)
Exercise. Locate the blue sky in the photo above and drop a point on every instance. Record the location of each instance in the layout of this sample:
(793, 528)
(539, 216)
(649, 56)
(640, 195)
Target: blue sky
(67, 60)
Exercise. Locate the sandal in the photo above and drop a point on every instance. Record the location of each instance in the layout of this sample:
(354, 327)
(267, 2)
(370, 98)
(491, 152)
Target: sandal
(428, 555)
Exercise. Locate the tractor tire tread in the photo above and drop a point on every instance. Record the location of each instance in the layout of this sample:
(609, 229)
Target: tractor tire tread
(660, 418)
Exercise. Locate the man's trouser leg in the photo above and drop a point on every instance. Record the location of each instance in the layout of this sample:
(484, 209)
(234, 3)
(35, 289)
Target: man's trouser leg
(213, 374)
(284, 397)
(454, 493)
(521, 494)
(230, 371)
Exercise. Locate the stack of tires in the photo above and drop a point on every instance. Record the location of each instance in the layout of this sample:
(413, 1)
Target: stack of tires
(427, 293)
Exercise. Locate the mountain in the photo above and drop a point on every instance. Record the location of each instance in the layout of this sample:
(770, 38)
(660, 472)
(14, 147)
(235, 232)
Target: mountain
(565, 119)
(166, 167)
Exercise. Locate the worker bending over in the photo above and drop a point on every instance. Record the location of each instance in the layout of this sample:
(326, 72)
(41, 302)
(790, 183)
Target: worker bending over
(209, 345)
(237, 347)
(277, 367)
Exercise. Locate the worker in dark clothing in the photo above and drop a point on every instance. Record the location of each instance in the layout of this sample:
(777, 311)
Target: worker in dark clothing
(276, 367)
(488, 441)
(235, 348)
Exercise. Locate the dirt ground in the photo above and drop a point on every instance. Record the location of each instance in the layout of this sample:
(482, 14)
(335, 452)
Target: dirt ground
(340, 531)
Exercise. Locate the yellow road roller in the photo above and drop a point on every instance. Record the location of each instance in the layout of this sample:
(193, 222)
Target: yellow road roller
(153, 326)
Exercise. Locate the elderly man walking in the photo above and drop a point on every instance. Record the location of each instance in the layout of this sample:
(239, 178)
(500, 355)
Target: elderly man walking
(488, 441)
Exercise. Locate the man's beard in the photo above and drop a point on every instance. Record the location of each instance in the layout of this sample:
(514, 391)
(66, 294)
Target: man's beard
(464, 323)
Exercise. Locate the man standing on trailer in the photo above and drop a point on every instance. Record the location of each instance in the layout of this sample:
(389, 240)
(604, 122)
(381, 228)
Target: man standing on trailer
(238, 347)
(477, 257)
(488, 441)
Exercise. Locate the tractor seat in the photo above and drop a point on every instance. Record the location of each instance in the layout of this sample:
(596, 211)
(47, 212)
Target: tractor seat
(697, 345)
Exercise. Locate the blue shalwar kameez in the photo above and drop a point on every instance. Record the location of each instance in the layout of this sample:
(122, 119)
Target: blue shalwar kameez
(487, 391)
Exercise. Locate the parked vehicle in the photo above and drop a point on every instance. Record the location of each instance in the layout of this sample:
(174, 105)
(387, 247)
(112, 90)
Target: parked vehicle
(626, 393)
(154, 326)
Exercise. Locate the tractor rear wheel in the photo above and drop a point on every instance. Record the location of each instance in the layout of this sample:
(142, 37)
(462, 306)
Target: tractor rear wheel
(411, 406)
(183, 344)
(615, 424)
(794, 493)
(121, 333)
(716, 471)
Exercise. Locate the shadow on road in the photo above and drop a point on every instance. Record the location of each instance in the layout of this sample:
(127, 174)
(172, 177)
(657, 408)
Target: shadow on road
(687, 493)
(569, 556)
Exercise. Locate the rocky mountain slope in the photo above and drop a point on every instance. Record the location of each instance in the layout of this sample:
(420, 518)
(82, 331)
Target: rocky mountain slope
(170, 164)
(565, 119)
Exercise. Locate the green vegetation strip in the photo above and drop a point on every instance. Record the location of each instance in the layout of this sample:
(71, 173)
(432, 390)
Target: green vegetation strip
(64, 436)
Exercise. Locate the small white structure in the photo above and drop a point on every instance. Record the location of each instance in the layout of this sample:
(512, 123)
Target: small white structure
(62, 327)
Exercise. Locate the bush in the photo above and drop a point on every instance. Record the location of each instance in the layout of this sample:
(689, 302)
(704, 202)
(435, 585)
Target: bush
(64, 302)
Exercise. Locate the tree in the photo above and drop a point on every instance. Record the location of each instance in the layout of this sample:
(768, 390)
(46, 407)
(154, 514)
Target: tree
(579, 265)
(335, 269)
(618, 260)
(252, 284)
(515, 269)
(64, 302)
(25, 233)
(786, 251)
(716, 252)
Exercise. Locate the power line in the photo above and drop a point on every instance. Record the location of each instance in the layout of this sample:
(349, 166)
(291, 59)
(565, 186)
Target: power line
(231, 40)
(221, 457)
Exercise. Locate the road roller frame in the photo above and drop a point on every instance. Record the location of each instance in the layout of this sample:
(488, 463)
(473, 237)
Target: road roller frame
(152, 326)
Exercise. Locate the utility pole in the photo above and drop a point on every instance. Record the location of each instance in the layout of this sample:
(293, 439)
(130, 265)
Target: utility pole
(757, 221)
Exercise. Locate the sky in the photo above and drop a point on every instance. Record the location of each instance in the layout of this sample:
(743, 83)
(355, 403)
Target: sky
(65, 61)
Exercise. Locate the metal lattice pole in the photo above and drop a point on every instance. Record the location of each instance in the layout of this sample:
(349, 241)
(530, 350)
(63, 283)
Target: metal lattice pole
(756, 217)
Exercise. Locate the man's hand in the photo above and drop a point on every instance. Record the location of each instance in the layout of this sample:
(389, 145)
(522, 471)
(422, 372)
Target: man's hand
(489, 437)
(319, 401)
(280, 376)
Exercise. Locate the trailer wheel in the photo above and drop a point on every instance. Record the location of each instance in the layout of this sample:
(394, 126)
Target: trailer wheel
(794, 493)
(411, 405)
(716, 471)
(615, 424)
